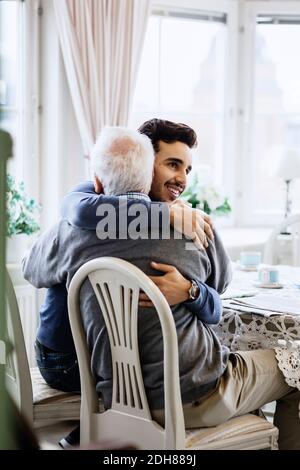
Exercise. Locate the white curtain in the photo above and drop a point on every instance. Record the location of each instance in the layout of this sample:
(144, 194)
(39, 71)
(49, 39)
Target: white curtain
(101, 42)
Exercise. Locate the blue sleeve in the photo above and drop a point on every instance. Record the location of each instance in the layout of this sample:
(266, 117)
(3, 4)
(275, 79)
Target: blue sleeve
(79, 206)
(208, 306)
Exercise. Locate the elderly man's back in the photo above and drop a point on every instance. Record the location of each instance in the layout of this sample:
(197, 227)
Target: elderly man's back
(202, 359)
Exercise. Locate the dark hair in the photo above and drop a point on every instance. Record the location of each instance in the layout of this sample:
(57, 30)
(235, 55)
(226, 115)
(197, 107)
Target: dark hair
(169, 132)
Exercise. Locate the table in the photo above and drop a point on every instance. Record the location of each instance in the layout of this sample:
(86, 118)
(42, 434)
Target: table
(246, 331)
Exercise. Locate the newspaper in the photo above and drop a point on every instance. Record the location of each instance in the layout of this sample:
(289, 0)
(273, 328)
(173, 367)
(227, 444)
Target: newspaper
(232, 293)
(266, 305)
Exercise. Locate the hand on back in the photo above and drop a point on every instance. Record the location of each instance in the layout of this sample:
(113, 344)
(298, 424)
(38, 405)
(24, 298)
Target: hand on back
(172, 284)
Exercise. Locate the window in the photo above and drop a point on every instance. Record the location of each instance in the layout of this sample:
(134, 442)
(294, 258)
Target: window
(276, 107)
(182, 77)
(10, 89)
(270, 121)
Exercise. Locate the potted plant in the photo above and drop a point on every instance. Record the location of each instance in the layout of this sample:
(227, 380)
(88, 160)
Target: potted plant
(206, 198)
(21, 219)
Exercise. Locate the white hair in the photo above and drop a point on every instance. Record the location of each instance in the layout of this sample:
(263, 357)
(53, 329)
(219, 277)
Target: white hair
(123, 160)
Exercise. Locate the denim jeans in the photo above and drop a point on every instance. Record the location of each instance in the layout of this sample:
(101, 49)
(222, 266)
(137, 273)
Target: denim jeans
(60, 370)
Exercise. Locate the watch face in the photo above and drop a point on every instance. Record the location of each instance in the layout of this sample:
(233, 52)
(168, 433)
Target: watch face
(193, 290)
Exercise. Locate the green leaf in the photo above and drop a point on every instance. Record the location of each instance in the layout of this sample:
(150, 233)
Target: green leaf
(21, 210)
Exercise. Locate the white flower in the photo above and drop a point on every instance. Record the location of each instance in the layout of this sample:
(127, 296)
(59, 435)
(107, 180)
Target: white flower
(211, 196)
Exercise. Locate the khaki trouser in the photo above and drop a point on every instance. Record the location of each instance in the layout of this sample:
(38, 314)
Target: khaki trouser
(251, 379)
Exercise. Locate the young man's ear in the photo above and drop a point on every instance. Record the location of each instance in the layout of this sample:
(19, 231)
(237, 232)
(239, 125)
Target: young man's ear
(98, 185)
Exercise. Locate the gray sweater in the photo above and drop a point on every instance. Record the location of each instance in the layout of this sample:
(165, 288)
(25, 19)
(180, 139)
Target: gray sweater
(59, 253)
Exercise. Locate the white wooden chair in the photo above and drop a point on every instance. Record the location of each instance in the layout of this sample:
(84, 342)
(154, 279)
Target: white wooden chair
(293, 224)
(116, 284)
(36, 401)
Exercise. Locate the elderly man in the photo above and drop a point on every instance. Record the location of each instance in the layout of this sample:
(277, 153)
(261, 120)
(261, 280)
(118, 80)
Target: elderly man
(215, 386)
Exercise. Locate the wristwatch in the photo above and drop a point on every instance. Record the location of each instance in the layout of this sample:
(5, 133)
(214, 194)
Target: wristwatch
(194, 290)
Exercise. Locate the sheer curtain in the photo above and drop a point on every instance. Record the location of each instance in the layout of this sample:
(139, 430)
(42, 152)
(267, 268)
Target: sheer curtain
(101, 42)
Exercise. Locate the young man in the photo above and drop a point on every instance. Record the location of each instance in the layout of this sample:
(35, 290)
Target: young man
(215, 385)
(55, 351)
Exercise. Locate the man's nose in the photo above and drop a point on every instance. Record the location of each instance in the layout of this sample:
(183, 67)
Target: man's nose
(181, 178)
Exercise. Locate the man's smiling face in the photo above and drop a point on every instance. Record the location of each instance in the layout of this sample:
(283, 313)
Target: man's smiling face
(173, 162)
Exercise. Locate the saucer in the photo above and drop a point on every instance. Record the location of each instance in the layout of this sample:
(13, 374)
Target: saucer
(265, 285)
(241, 267)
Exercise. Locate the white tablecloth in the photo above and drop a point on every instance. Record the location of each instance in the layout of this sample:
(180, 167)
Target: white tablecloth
(246, 331)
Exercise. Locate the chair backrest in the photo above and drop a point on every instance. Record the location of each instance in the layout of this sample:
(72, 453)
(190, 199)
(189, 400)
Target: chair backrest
(17, 372)
(292, 224)
(117, 284)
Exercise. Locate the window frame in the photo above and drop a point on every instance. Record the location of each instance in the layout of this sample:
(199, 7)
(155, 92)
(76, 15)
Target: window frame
(17, 109)
(26, 153)
(31, 105)
(246, 214)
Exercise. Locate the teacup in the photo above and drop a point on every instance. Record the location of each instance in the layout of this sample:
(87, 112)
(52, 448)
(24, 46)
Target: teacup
(250, 259)
(268, 275)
